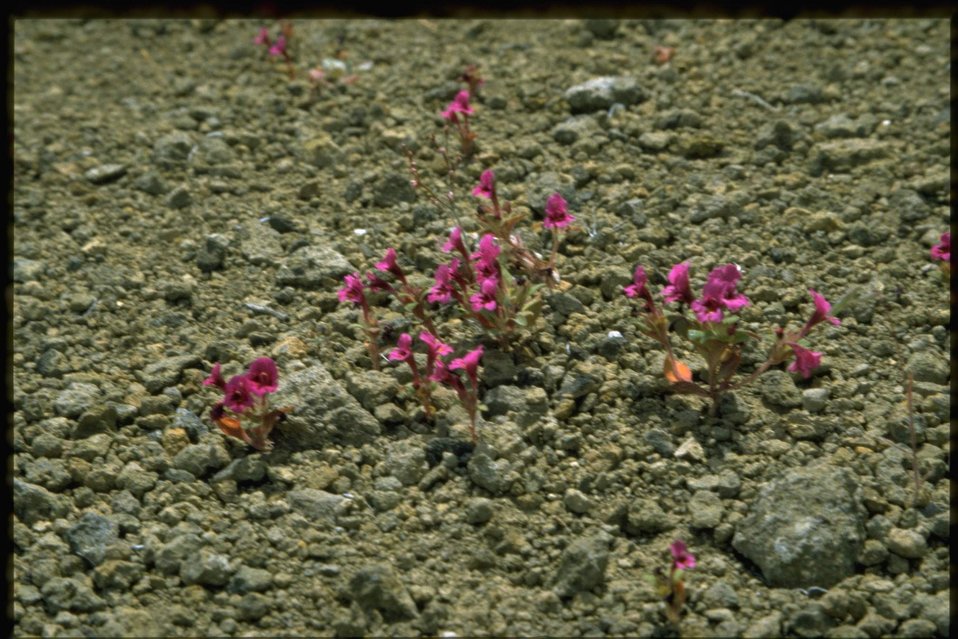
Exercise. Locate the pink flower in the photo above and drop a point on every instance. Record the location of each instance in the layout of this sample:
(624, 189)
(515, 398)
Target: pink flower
(942, 251)
(682, 559)
(469, 363)
(262, 37)
(678, 289)
(262, 376)
(805, 362)
(719, 293)
(279, 47)
(485, 299)
(442, 374)
(216, 377)
(442, 290)
(487, 185)
(459, 104)
(486, 256)
(707, 309)
(557, 213)
(403, 350)
(389, 265)
(353, 291)
(436, 347)
(238, 394)
(822, 308)
(454, 243)
(637, 287)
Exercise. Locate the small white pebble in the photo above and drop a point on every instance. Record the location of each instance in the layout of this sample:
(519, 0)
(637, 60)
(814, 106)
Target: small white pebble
(359, 231)
(885, 122)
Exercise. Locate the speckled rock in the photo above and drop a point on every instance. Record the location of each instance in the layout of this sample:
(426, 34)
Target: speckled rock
(582, 565)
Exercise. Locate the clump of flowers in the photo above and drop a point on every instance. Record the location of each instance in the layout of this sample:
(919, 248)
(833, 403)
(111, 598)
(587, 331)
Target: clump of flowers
(942, 251)
(672, 587)
(457, 114)
(244, 412)
(278, 47)
(714, 331)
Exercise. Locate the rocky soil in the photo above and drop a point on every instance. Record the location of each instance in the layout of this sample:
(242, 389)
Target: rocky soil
(179, 200)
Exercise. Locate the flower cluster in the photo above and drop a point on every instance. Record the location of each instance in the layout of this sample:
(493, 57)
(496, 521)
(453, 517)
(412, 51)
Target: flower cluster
(714, 331)
(278, 47)
(457, 114)
(246, 396)
(672, 587)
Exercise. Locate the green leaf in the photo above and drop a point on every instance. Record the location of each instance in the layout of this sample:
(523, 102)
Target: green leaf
(521, 320)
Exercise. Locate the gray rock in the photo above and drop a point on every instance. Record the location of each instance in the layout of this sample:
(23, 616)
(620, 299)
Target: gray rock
(928, 367)
(212, 253)
(171, 555)
(582, 565)
(575, 128)
(105, 173)
(498, 367)
(839, 126)
(69, 593)
(251, 468)
(52, 474)
(200, 459)
(25, 270)
(47, 445)
(806, 528)
(313, 268)
(261, 246)
(32, 503)
(582, 379)
(479, 510)
(488, 473)
(205, 568)
(135, 479)
(190, 422)
(406, 461)
(601, 93)
(810, 621)
(720, 595)
(151, 183)
(766, 627)
(100, 419)
(176, 291)
(393, 188)
(717, 206)
(211, 151)
(575, 501)
(843, 155)
(906, 543)
(90, 536)
(248, 579)
(116, 574)
(780, 134)
(679, 119)
(803, 94)
(166, 372)
(253, 606)
(376, 586)
(564, 304)
(317, 505)
(814, 399)
(910, 206)
(325, 412)
(321, 151)
(655, 141)
(179, 197)
(172, 150)
(778, 389)
(372, 388)
(705, 509)
(916, 628)
(75, 399)
(528, 405)
(602, 28)
(646, 517)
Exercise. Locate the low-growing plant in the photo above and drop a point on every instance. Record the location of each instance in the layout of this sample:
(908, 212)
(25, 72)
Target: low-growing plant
(671, 587)
(714, 331)
(244, 412)
(280, 46)
(942, 252)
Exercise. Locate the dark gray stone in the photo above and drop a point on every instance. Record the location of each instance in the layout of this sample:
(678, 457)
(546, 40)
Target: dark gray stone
(69, 593)
(582, 565)
(376, 586)
(173, 149)
(32, 503)
(212, 254)
(167, 371)
(90, 536)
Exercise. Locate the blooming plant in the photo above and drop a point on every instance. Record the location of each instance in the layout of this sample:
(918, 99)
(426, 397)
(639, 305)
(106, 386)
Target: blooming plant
(714, 332)
(355, 292)
(942, 251)
(672, 587)
(278, 47)
(244, 412)
(421, 381)
(447, 374)
(457, 114)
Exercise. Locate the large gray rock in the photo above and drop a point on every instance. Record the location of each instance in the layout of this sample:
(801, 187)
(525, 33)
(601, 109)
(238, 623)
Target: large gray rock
(90, 536)
(806, 528)
(601, 93)
(324, 412)
(377, 586)
(313, 268)
(32, 503)
(317, 505)
(582, 565)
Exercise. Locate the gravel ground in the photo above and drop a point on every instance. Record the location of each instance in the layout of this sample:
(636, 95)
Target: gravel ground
(179, 200)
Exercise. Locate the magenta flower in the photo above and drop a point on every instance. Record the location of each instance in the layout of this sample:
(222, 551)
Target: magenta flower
(822, 309)
(217, 412)
(942, 250)
(485, 299)
(486, 255)
(389, 265)
(637, 287)
(487, 185)
(682, 559)
(279, 47)
(262, 37)
(216, 377)
(442, 291)
(353, 291)
(719, 294)
(459, 104)
(443, 375)
(436, 347)
(557, 213)
(678, 289)
(707, 309)
(403, 350)
(805, 362)
(262, 376)
(238, 394)
(454, 243)
(469, 363)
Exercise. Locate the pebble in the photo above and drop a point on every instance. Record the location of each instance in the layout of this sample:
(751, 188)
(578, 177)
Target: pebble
(205, 568)
(172, 150)
(69, 593)
(376, 586)
(90, 536)
(151, 183)
(575, 128)
(577, 502)
(705, 509)
(646, 517)
(814, 399)
(582, 565)
(479, 510)
(844, 155)
(77, 398)
(212, 253)
(906, 543)
(599, 94)
(105, 173)
(248, 579)
(313, 268)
